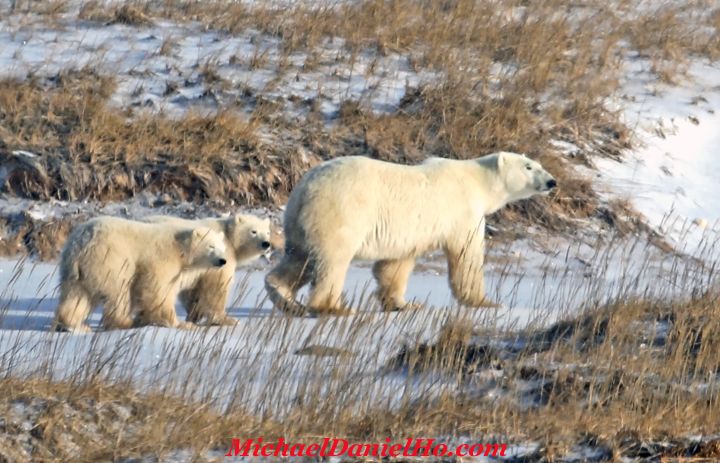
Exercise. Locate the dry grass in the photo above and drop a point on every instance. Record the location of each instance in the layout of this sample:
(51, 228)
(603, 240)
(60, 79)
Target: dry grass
(98, 422)
(631, 379)
(128, 14)
(508, 75)
(87, 150)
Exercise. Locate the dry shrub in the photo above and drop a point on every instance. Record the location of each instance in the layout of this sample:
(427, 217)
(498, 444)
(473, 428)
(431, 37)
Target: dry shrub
(88, 150)
(627, 373)
(131, 14)
(100, 422)
(451, 352)
(675, 31)
(507, 76)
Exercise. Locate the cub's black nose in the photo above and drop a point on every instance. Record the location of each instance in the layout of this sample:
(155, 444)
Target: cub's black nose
(551, 184)
(221, 262)
(265, 244)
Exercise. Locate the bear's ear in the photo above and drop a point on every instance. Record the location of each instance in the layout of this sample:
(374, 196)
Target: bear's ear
(501, 160)
(184, 238)
(199, 234)
(238, 219)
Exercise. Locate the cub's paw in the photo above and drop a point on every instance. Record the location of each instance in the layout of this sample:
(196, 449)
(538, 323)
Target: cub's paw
(340, 311)
(225, 320)
(402, 307)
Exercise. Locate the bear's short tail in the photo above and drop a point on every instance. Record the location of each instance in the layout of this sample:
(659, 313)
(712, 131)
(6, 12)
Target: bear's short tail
(69, 268)
(79, 241)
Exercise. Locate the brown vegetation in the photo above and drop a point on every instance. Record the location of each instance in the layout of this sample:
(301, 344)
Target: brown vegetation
(509, 75)
(632, 379)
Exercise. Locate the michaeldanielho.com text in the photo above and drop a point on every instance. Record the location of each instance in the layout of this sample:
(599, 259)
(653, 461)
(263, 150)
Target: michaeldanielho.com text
(334, 447)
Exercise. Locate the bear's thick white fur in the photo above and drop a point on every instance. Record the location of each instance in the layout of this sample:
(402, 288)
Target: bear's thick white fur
(247, 237)
(357, 207)
(132, 269)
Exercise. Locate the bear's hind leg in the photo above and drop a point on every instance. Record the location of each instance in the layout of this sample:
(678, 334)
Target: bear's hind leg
(326, 292)
(116, 314)
(284, 281)
(392, 277)
(72, 311)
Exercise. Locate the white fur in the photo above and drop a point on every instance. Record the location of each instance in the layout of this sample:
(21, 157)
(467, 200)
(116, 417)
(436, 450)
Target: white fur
(131, 268)
(357, 207)
(205, 291)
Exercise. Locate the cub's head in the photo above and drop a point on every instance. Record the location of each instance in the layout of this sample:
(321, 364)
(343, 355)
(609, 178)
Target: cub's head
(202, 247)
(522, 176)
(250, 236)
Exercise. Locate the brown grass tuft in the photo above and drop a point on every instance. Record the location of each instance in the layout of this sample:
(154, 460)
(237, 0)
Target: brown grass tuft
(87, 150)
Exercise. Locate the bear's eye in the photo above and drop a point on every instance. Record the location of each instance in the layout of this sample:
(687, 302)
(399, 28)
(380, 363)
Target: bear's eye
(528, 167)
(253, 233)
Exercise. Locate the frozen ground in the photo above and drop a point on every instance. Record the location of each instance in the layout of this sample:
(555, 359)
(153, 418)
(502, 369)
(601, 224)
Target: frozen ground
(268, 353)
(268, 360)
(172, 67)
(671, 179)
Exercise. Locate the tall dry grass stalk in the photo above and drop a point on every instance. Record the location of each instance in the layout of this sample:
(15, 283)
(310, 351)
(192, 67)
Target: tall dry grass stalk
(629, 361)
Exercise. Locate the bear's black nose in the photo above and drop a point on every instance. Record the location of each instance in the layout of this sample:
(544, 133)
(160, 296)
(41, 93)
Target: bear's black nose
(221, 262)
(265, 244)
(551, 184)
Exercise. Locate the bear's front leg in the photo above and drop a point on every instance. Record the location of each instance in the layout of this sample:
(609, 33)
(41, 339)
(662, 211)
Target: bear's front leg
(465, 269)
(392, 277)
(161, 314)
(207, 299)
(156, 304)
(117, 313)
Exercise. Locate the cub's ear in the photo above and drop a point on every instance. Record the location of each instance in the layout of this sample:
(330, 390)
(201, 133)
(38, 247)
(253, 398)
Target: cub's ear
(184, 237)
(238, 219)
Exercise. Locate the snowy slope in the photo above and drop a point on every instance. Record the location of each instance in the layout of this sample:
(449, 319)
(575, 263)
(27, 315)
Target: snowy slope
(671, 178)
(171, 67)
(256, 363)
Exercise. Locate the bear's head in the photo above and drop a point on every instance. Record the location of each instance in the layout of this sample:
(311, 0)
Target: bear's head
(202, 247)
(249, 235)
(522, 176)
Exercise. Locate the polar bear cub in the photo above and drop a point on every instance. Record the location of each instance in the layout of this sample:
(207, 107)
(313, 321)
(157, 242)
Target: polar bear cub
(247, 237)
(125, 265)
(357, 207)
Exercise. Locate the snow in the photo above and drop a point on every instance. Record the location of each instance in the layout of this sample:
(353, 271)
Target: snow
(670, 179)
(256, 364)
(162, 67)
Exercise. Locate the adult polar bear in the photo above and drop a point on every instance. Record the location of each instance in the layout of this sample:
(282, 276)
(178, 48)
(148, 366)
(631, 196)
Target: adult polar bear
(357, 207)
